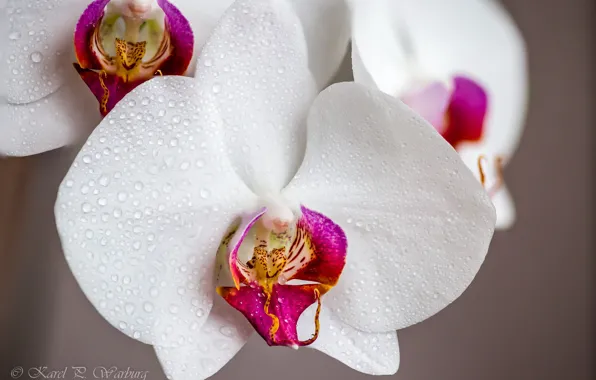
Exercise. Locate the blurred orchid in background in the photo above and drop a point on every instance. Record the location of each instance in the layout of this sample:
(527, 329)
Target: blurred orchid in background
(325, 219)
(118, 44)
(461, 65)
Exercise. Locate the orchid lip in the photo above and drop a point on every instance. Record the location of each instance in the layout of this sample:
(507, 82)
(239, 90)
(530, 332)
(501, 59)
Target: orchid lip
(280, 265)
(457, 112)
(132, 42)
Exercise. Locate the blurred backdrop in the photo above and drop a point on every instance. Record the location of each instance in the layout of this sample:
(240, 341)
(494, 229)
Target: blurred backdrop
(526, 316)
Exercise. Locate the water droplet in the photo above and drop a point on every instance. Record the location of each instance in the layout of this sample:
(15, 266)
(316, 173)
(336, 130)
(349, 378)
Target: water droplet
(129, 308)
(205, 193)
(148, 307)
(14, 35)
(36, 57)
(227, 331)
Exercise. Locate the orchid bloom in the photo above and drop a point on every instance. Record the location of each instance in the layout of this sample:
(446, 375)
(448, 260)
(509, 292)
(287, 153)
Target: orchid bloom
(461, 65)
(115, 45)
(204, 209)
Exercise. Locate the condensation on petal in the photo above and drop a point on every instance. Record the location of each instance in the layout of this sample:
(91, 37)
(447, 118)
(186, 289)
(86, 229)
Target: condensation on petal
(37, 47)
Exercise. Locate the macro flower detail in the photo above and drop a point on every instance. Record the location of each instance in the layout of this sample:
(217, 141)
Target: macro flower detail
(461, 65)
(311, 248)
(119, 44)
(242, 200)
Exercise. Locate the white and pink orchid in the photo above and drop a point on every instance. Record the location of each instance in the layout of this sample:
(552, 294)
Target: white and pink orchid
(204, 209)
(460, 64)
(46, 103)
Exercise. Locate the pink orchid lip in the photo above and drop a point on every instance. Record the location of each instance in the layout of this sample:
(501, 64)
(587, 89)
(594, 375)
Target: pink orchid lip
(459, 116)
(110, 78)
(315, 253)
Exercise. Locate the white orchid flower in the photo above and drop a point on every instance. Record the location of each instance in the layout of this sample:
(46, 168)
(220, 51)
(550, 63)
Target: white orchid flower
(46, 103)
(462, 65)
(326, 220)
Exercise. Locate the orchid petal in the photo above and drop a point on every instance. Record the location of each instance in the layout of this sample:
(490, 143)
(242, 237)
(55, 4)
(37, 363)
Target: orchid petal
(327, 30)
(505, 206)
(263, 91)
(431, 102)
(65, 116)
(379, 56)
(203, 15)
(41, 102)
(131, 210)
(209, 348)
(39, 48)
(370, 353)
(418, 224)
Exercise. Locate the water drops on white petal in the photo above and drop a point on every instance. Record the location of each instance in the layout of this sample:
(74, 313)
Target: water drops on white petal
(37, 57)
(145, 201)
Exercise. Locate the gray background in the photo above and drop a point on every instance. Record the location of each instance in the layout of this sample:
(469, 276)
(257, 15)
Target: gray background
(526, 316)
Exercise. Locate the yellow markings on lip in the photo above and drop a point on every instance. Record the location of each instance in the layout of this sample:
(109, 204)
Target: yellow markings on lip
(106, 92)
(129, 56)
(274, 320)
(317, 322)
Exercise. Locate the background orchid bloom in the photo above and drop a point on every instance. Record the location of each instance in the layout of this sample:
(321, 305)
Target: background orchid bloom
(150, 200)
(45, 105)
(461, 64)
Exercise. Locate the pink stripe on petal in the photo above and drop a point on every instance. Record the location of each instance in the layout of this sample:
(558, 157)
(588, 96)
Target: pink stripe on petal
(182, 39)
(466, 113)
(86, 25)
(329, 244)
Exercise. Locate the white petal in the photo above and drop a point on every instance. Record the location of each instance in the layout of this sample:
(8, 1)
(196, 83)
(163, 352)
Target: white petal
(43, 102)
(370, 353)
(131, 211)
(203, 16)
(379, 55)
(505, 208)
(418, 223)
(64, 117)
(475, 38)
(255, 69)
(39, 49)
(208, 348)
(327, 29)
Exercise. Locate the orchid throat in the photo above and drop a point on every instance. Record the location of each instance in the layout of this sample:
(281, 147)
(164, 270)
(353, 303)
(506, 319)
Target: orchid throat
(280, 265)
(120, 44)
